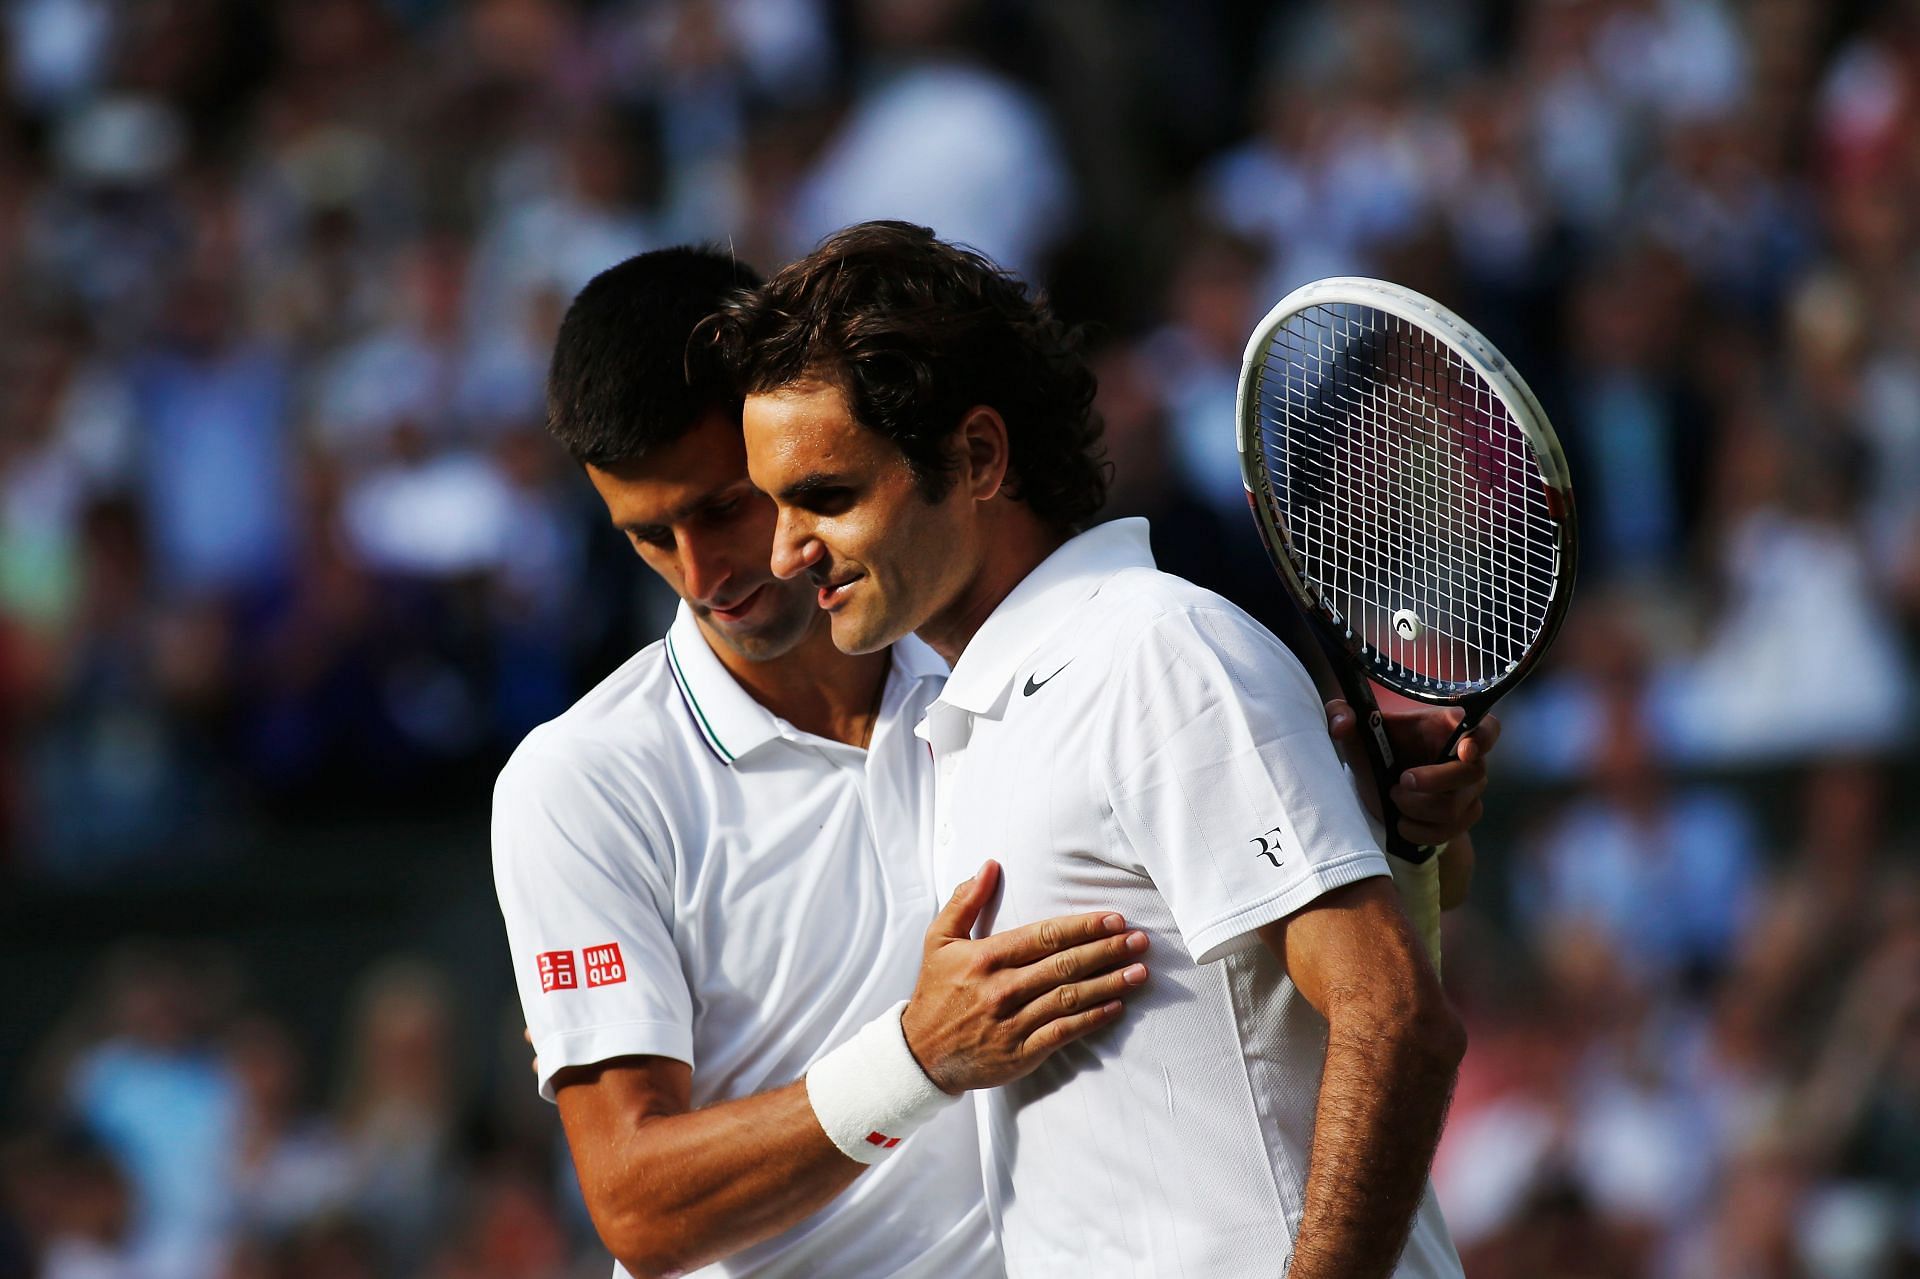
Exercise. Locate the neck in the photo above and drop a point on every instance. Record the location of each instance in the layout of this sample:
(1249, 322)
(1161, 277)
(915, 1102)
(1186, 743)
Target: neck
(1015, 544)
(814, 686)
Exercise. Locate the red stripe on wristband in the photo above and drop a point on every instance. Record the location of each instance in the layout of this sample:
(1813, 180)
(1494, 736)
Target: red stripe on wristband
(881, 1140)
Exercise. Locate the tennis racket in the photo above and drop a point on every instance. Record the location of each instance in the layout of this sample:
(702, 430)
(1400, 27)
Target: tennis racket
(1416, 504)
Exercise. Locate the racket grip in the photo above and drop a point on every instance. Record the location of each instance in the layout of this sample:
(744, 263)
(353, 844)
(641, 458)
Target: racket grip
(1419, 887)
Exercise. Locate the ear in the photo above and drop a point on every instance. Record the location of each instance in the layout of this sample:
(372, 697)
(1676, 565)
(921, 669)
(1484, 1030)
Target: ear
(982, 439)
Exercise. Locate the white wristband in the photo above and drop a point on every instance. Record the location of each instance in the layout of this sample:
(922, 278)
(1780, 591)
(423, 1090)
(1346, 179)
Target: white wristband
(869, 1094)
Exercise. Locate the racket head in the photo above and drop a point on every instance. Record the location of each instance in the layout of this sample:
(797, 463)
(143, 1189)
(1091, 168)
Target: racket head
(1408, 487)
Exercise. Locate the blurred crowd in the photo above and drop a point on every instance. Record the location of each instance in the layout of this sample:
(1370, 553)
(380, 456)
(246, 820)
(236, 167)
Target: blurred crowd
(192, 1139)
(280, 536)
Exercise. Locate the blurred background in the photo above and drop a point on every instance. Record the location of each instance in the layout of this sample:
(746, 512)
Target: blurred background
(287, 566)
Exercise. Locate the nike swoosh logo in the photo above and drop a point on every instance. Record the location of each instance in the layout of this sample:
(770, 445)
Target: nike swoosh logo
(1035, 685)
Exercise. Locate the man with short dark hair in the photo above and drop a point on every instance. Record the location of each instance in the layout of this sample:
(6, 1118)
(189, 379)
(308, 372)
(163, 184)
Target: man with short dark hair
(1115, 735)
(709, 875)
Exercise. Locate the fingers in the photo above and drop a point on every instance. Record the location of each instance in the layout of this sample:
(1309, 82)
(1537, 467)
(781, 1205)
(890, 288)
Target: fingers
(957, 918)
(1439, 802)
(1058, 970)
(1078, 997)
(1475, 746)
(1467, 769)
(1427, 817)
(1422, 732)
(1054, 1035)
(1029, 943)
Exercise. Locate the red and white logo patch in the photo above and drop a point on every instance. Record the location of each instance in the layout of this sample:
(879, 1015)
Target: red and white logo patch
(604, 965)
(556, 971)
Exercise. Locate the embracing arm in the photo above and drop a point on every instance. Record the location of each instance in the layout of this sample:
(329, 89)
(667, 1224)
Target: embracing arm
(671, 1189)
(1393, 1049)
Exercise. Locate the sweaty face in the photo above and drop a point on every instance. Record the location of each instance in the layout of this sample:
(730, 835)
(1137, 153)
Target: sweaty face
(698, 522)
(881, 558)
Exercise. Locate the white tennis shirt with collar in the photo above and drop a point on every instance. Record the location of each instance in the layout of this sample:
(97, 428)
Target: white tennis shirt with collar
(1122, 739)
(684, 874)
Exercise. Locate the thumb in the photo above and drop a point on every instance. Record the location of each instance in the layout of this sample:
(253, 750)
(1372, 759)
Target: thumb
(1341, 721)
(956, 919)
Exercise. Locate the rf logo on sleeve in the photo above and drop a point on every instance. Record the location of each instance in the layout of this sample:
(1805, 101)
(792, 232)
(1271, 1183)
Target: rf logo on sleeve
(1268, 846)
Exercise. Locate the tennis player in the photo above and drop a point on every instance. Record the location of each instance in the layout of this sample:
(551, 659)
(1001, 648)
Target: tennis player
(1118, 737)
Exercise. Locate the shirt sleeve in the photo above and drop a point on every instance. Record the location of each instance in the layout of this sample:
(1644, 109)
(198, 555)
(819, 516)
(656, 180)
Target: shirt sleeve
(1224, 780)
(584, 880)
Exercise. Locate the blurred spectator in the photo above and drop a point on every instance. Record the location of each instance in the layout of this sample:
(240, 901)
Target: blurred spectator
(1635, 840)
(1803, 658)
(157, 1095)
(511, 1232)
(1194, 361)
(216, 461)
(399, 1109)
(1638, 439)
(118, 772)
(58, 49)
(584, 204)
(45, 486)
(1347, 160)
(939, 139)
(72, 1205)
(291, 1167)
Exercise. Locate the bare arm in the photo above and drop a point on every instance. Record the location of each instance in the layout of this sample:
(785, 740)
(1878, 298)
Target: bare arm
(671, 1189)
(1393, 1050)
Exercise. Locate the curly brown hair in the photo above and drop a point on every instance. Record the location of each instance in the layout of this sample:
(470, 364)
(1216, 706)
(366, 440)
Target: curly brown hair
(916, 332)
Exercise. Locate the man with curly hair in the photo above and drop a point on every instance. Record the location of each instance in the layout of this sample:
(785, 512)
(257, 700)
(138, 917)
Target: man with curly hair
(1119, 737)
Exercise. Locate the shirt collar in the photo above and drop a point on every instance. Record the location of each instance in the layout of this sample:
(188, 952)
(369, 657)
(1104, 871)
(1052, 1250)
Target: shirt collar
(914, 659)
(1033, 610)
(725, 713)
(728, 717)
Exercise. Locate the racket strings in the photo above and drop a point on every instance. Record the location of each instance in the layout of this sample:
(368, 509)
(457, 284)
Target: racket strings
(1412, 500)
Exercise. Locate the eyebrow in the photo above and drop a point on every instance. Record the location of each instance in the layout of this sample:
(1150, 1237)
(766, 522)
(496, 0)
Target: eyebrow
(814, 483)
(688, 508)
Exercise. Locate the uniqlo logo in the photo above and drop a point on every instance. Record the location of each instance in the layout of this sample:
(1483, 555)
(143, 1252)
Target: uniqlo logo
(556, 971)
(604, 965)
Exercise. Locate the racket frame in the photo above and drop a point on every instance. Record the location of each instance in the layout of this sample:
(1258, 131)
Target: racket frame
(1345, 652)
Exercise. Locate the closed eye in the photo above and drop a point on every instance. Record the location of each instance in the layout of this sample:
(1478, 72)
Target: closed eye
(651, 535)
(829, 500)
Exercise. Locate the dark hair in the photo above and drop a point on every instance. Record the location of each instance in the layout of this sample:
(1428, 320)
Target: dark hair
(624, 378)
(915, 332)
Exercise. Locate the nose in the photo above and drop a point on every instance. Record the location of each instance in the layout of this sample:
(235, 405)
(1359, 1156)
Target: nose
(705, 568)
(795, 548)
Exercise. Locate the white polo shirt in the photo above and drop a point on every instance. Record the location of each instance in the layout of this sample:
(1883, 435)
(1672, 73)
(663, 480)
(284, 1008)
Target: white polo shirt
(684, 874)
(1122, 739)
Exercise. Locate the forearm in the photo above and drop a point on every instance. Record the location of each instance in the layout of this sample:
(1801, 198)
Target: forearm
(1383, 1098)
(680, 1191)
